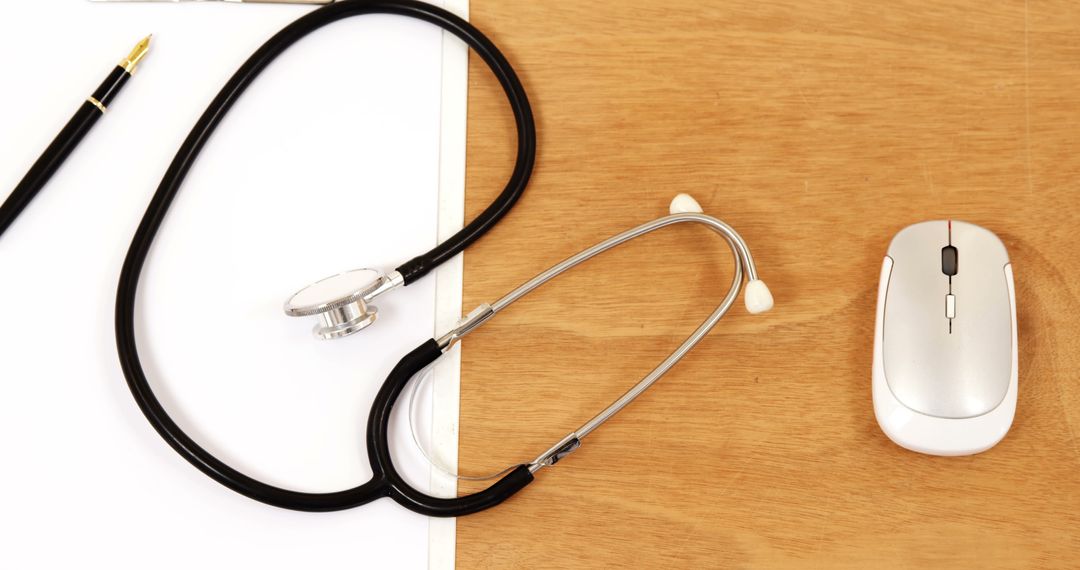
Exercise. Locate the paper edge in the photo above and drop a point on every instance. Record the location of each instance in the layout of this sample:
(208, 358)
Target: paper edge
(449, 282)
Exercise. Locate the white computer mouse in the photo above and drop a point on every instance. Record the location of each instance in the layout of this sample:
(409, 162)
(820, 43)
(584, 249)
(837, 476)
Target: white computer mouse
(945, 370)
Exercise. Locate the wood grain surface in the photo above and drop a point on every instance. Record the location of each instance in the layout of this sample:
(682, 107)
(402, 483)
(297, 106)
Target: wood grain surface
(818, 129)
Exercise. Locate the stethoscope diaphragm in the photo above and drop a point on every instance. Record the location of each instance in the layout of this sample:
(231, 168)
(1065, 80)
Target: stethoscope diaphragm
(343, 301)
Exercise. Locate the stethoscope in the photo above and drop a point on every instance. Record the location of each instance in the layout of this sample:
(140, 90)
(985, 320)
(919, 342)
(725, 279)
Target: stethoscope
(343, 303)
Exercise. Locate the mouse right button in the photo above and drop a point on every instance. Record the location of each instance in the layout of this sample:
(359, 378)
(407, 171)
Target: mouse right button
(984, 325)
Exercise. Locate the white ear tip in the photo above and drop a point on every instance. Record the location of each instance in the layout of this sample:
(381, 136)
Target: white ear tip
(683, 204)
(758, 297)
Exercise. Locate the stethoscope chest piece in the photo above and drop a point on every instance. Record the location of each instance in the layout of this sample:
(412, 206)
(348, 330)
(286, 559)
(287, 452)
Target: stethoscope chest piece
(343, 301)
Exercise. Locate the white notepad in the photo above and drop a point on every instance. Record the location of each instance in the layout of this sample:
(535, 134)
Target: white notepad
(347, 152)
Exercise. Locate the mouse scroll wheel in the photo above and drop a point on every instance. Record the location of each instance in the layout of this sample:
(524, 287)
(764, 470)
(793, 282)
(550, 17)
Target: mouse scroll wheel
(948, 260)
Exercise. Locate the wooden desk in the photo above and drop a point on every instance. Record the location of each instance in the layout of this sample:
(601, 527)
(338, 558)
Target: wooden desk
(818, 129)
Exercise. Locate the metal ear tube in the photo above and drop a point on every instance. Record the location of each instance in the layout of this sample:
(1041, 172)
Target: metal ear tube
(683, 209)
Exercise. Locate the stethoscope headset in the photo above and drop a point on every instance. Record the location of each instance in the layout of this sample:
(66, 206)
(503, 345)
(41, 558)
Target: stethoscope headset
(343, 301)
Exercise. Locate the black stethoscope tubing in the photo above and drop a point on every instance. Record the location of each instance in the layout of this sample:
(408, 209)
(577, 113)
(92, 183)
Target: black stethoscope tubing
(386, 481)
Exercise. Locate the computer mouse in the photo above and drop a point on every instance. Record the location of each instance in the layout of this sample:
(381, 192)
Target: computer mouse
(945, 353)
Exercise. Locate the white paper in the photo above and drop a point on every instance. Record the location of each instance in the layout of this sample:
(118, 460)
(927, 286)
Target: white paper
(330, 162)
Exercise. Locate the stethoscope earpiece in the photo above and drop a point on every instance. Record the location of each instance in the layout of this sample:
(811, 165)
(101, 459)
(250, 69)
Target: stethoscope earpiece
(343, 301)
(757, 297)
(684, 204)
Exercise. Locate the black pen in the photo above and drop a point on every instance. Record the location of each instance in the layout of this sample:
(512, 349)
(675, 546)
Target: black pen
(70, 136)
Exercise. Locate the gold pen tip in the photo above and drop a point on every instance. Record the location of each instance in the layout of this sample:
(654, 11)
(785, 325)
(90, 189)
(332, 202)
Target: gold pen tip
(130, 62)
